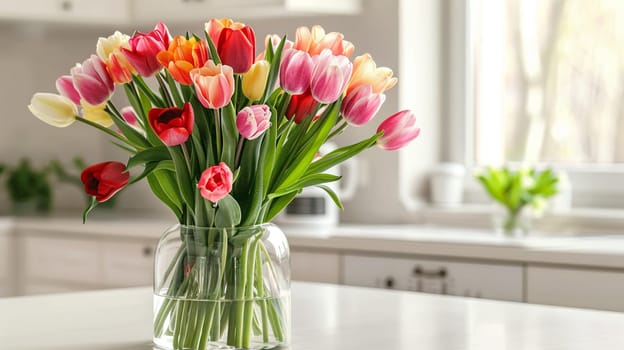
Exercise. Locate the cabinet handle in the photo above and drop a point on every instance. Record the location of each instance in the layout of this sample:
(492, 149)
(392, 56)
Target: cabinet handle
(67, 5)
(434, 273)
(147, 251)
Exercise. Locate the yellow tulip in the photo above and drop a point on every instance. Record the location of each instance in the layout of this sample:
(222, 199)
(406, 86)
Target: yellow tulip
(106, 46)
(96, 113)
(53, 109)
(254, 81)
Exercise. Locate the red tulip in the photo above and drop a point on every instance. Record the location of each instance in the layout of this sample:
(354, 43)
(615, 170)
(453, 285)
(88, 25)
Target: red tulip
(399, 129)
(145, 47)
(216, 182)
(235, 42)
(301, 106)
(173, 125)
(103, 180)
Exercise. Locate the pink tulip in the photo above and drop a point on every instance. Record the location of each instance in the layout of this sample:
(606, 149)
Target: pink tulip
(399, 129)
(330, 76)
(65, 87)
(316, 40)
(295, 71)
(92, 81)
(216, 182)
(145, 47)
(214, 84)
(252, 121)
(129, 115)
(361, 105)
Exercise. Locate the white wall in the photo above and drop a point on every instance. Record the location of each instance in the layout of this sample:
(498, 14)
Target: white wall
(34, 55)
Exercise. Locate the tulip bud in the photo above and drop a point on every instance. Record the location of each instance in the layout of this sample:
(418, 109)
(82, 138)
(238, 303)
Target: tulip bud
(65, 87)
(106, 46)
(129, 115)
(330, 77)
(252, 121)
(254, 81)
(216, 182)
(235, 43)
(214, 84)
(103, 180)
(361, 105)
(295, 71)
(92, 81)
(56, 110)
(301, 106)
(399, 129)
(173, 125)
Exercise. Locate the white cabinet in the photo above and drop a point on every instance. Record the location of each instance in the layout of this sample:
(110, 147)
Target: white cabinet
(200, 11)
(315, 266)
(49, 263)
(576, 287)
(491, 281)
(6, 265)
(67, 11)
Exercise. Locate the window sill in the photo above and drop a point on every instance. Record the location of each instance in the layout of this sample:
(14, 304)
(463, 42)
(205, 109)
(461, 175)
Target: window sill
(573, 222)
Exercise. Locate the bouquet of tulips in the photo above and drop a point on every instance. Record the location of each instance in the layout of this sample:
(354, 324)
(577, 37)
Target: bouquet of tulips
(228, 137)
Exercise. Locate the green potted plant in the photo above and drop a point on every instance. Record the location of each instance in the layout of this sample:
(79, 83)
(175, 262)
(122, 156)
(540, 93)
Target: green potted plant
(517, 189)
(28, 188)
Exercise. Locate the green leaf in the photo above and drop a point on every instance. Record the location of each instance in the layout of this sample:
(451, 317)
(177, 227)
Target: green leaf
(230, 135)
(154, 154)
(183, 177)
(278, 205)
(214, 54)
(161, 186)
(341, 154)
(153, 166)
(228, 212)
(332, 195)
(134, 137)
(306, 181)
(274, 70)
(88, 209)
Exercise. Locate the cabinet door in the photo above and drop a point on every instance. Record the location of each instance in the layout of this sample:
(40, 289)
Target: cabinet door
(586, 288)
(77, 11)
(315, 266)
(492, 281)
(128, 264)
(59, 259)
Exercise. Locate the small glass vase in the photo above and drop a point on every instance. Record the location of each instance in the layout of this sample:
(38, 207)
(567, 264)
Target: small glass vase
(512, 223)
(222, 288)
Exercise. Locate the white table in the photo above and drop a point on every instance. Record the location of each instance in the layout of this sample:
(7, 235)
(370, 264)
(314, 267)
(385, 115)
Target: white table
(325, 317)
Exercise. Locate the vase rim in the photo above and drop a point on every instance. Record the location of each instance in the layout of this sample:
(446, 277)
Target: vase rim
(266, 224)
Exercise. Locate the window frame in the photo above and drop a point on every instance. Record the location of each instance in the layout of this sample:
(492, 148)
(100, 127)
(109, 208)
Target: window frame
(593, 185)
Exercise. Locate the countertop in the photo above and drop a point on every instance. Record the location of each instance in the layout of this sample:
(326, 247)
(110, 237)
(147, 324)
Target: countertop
(324, 317)
(600, 251)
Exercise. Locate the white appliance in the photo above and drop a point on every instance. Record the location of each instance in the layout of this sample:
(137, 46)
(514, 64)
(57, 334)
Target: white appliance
(313, 212)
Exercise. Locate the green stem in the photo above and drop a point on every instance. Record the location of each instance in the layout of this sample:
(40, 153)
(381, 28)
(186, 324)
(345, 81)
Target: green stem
(218, 131)
(164, 90)
(106, 130)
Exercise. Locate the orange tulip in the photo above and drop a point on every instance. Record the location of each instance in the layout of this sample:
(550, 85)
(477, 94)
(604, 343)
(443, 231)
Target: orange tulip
(119, 68)
(182, 56)
(366, 72)
(214, 84)
(315, 41)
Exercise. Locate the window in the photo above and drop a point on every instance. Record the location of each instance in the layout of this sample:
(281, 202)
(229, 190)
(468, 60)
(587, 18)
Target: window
(547, 81)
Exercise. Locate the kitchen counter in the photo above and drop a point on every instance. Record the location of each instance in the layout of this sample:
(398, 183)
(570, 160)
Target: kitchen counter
(600, 251)
(324, 317)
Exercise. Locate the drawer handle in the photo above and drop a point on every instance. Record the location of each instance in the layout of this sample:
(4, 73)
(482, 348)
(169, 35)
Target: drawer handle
(434, 273)
(147, 251)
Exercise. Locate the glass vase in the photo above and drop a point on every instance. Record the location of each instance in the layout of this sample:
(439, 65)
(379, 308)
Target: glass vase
(510, 223)
(222, 288)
